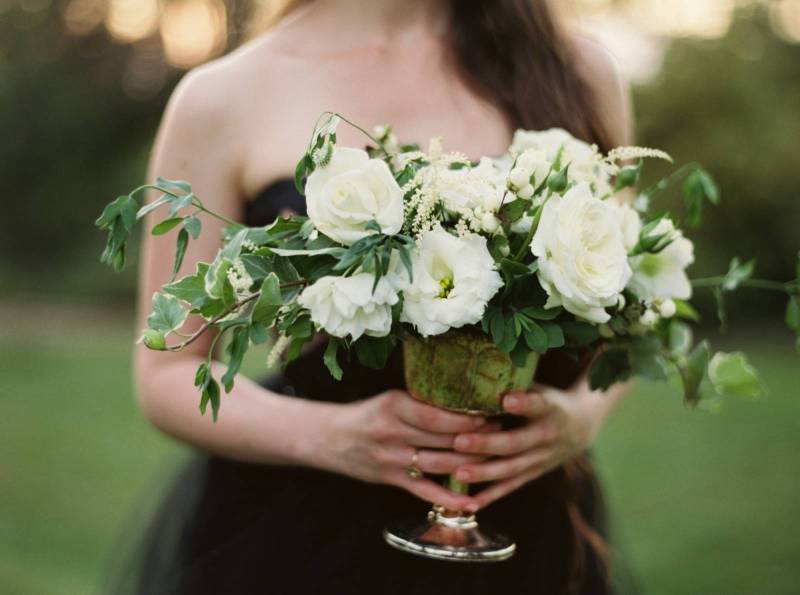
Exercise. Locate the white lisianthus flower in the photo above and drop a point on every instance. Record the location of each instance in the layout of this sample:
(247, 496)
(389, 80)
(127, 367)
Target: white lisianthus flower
(663, 276)
(586, 163)
(343, 306)
(350, 191)
(583, 264)
(454, 279)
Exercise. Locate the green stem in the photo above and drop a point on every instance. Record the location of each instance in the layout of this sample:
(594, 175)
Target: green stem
(664, 183)
(195, 201)
(756, 283)
(456, 486)
(531, 232)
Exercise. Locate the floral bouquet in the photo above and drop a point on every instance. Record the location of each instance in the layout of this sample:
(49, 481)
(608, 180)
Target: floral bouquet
(477, 269)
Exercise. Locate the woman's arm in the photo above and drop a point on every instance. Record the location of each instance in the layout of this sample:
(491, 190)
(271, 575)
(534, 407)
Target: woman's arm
(201, 140)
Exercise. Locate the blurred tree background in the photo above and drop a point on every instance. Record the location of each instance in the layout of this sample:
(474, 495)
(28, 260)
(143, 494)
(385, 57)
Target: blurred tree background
(708, 503)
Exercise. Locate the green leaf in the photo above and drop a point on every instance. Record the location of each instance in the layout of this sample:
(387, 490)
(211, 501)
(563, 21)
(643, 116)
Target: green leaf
(685, 310)
(737, 272)
(512, 211)
(679, 337)
(555, 336)
(174, 184)
(732, 375)
(191, 288)
(152, 206)
(646, 359)
(519, 355)
(536, 338)
(166, 225)
(374, 352)
(497, 325)
(167, 314)
(258, 266)
(236, 350)
(610, 367)
(699, 187)
(193, 225)
(628, 176)
(330, 358)
(304, 167)
(542, 313)
(180, 250)
(217, 277)
(179, 203)
(693, 370)
(258, 333)
(269, 302)
(510, 335)
(209, 389)
(579, 333)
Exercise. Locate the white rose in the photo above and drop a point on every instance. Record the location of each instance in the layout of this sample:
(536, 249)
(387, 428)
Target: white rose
(585, 162)
(454, 279)
(349, 192)
(583, 263)
(629, 221)
(468, 188)
(663, 275)
(344, 306)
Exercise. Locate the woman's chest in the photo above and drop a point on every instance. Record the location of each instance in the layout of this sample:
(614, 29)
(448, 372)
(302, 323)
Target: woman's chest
(418, 103)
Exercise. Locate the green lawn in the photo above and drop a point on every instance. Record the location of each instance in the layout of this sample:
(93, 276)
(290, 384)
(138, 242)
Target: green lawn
(702, 503)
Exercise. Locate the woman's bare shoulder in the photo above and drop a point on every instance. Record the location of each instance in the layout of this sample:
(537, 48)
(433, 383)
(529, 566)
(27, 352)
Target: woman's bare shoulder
(600, 69)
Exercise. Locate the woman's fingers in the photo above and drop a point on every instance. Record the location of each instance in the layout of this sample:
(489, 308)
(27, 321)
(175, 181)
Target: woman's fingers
(420, 438)
(530, 404)
(506, 486)
(509, 442)
(503, 468)
(433, 419)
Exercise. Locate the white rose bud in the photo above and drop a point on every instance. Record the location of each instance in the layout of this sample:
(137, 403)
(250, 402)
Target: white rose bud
(519, 177)
(526, 192)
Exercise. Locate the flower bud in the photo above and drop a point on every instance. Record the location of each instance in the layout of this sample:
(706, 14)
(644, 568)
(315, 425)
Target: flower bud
(605, 331)
(667, 308)
(489, 223)
(526, 192)
(649, 318)
(518, 177)
(153, 339)
(557, 181)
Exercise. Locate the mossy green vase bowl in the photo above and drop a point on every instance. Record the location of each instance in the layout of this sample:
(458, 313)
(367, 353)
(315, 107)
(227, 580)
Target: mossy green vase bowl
(463, 370)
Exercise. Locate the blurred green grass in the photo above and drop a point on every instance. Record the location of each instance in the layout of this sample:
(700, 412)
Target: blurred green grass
(701, 503)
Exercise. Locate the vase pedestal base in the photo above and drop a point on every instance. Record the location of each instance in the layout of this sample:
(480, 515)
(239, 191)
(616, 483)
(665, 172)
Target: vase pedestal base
(449, 535)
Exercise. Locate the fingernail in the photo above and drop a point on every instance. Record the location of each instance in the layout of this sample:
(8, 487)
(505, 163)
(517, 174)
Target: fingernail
(479, 421)
(461, 442)
(511, 402)
(463, 475)
(471, 507)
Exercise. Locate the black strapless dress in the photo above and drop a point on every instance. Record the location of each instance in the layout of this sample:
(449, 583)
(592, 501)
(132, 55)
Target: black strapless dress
(231, 527)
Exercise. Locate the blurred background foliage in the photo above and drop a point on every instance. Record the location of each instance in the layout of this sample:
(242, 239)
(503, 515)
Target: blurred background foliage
(707, 503)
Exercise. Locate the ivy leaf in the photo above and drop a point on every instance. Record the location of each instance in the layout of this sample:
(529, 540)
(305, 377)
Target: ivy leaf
(193, 225)
(181, 185)
(698, 188)
(209, 389)
(152, 206)
(179, 203)
(692, 371)
(737, 272)
(269, 302)
(330, 358)
(258, 333)
(236, 350)
(166, 225)
(118, 218)
(180, 250)
(610, 367)
(304, 167)
(732, 375)
(191, 288)
(258, 266)
(512, 211)
(167, 314)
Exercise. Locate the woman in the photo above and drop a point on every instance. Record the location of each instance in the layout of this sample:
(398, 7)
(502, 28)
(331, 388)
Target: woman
(302, 473)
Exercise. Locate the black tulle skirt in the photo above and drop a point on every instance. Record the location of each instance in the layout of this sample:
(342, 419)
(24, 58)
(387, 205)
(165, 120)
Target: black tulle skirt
(232, 527)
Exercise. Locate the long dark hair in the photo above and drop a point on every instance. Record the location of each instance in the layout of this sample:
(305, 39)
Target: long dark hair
(513, 54)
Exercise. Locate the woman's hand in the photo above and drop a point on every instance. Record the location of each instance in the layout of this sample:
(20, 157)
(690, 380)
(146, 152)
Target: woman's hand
(559, 426)
(375, 439)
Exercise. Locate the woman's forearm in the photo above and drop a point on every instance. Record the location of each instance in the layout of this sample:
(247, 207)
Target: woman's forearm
(254, 425)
